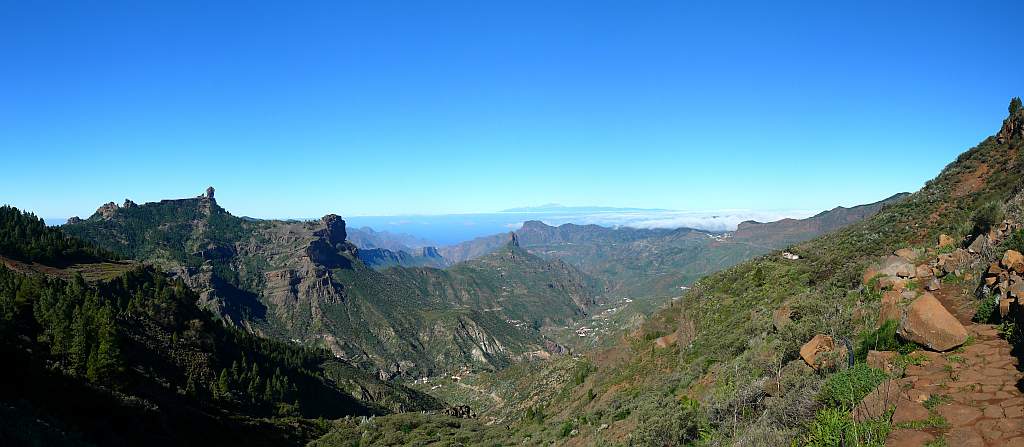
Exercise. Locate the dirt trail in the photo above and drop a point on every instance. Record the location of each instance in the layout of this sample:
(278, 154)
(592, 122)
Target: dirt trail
(977, 389)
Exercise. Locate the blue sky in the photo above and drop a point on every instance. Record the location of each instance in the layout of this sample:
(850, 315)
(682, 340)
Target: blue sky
(296, 109)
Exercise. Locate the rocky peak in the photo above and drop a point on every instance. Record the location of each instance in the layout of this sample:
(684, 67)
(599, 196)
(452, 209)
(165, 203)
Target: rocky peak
(209, 192)
(535, 225)
(129, 204)
(107, 210)
(1013, 125)
(515, 240)
(334, 229)
(73, 220)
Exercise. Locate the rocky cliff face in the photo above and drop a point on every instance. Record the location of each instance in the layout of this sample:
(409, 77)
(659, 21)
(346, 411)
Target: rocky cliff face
(1013, 125)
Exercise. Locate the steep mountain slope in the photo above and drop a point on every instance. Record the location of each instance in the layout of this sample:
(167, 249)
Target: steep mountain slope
(305, 281)
(131, 360)
(514, 284)
(756, 354)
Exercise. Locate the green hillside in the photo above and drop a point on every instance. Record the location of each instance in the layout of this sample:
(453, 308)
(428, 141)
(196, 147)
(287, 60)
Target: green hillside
(132, 360)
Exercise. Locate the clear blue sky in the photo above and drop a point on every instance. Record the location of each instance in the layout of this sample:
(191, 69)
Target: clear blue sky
(368, 108)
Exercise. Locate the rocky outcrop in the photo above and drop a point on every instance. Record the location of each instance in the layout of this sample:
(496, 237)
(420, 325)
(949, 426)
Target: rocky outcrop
(1003, 279)
(73, 220)
(108, 210)
(1013, 125)
(928, 323)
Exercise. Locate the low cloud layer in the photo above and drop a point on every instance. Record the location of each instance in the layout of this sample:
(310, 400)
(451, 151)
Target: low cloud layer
(725, 220)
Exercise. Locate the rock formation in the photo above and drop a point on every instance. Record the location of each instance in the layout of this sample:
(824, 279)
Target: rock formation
(1013, 125)
(927, 322)
(107, 210)
(823, 352)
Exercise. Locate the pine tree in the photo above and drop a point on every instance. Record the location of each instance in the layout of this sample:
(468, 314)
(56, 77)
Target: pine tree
(223, 387)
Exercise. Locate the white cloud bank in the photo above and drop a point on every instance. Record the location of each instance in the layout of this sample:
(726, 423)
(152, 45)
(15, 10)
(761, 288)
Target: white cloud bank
(723, 220)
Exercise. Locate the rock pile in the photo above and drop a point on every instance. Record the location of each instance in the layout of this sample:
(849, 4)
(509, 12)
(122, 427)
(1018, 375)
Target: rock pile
(1003, 279)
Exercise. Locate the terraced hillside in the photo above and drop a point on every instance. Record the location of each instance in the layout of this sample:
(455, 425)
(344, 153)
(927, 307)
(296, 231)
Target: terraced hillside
(301, 280)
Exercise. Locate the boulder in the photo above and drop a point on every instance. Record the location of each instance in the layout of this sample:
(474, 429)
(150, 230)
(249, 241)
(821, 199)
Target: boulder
(1015, 288)
(923, 271)
(978, 244)
(1004, 306)
(933, 285)
(890, 308)
(945, 240)
(928, 323)
(952, 262)
(1013, 260)
(822, 352)
(889, 282)
(897, 266)
(908, 254)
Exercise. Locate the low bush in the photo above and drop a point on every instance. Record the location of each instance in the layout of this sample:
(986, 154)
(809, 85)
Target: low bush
(846, 388)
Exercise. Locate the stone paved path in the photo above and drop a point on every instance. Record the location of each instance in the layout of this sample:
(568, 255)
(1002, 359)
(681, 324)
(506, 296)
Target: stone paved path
(977, 390)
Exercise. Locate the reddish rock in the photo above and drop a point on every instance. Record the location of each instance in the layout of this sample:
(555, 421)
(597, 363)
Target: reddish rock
(933, 285)
(890, 308)
(928, 323)
(964, 437)
(923, 271)
(881, 360)
(879, 401)
(890, 282)
(945, 240)
(909, 411)
(1004, 306)
(822, 352)
(1013, 260)
(897, 266)
(959, 415)
(908, 438)
(908, 254)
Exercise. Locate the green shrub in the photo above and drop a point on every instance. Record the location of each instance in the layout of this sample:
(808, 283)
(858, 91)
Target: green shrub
(834, 426)
(986, 312)
(987, 216)
(882, 339)
(845, 389)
